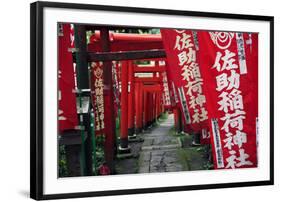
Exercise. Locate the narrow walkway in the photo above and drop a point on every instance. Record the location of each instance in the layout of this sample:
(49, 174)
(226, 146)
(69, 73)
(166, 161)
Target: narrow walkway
(163, 151)
(159, 150)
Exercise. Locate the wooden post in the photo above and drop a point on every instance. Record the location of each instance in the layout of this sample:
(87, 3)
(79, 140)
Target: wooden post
(131, 100)
(180, 115)
(81, 57)
(109, 121)
(148, 108)
(155, 107)
(145, 116)
(141, 106)
(138, 108)
(158, 104)
(177, 120)
(123, 147)
(151, 106)
(83, 83)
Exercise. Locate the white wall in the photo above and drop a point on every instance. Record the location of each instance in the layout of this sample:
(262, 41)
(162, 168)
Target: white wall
(14, 102)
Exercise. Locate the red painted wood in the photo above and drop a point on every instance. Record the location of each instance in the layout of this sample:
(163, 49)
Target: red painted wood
(147, 79)
(131, 103)
(150, 107)
(154, 106)
(124, 100)
(141, 106)
(128, 37)
(159, 104)
(145, 104)
(152, 88)
(176, 118)
(125, 46)
(126, 42)
(149, 69)
(137, 106)
(109, 120)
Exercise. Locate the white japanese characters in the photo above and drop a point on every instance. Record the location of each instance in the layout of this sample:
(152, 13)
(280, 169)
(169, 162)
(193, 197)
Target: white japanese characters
(231, 104)
(167, 100)
(99, 101)
(191, 74)
(60, 111)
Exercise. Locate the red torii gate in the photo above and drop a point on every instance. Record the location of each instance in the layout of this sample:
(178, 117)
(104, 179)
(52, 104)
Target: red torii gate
(126, 42)
(140, 99)
(136, 95)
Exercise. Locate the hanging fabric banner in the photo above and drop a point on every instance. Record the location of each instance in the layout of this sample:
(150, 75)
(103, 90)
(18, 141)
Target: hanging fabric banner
(67, 114)
(97, 96)
(172, 90)
(72, 42)
(181, 47)
(116, 88)
(166, 91)
(229, 69)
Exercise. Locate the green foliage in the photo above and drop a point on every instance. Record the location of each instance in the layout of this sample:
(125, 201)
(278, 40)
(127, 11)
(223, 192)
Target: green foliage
(100, 140)
(184, 159)
(100, 158)
(142, 62)
(209, 166)
(163, 117)
(63, 172)
(88, 36)
(100, 155)
(138, 31)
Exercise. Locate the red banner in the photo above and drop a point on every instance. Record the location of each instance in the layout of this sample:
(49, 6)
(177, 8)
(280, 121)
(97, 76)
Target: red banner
(67, 100)
(172, 89)
(228, 63)
(97, 96)
(116, 66)
(181, 47)
(72, 42)
(166, 91)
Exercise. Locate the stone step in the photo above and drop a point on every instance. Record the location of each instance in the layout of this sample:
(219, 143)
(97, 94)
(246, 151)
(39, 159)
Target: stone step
(161, 147)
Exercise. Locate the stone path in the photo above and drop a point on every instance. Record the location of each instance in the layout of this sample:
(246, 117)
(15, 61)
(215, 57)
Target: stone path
(159, 150)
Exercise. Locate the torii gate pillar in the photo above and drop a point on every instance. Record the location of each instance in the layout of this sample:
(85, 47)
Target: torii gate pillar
(131, 99)
(124, 147)
(109, 122)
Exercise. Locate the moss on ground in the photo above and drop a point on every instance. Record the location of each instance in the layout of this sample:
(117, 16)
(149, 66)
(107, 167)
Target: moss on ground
(127, 166)
(184, 159)
(192, 158)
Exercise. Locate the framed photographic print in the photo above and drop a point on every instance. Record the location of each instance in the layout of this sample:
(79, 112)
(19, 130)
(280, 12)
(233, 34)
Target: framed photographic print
(136, 100)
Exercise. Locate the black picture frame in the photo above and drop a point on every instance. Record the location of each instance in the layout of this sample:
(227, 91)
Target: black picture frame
(37, 98)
